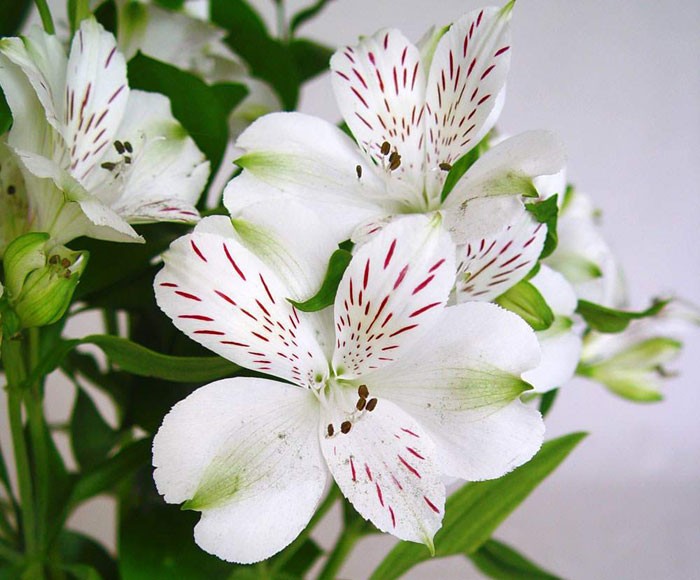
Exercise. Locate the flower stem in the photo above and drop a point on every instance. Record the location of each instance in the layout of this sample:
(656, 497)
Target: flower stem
(350, 534)
(45, 14)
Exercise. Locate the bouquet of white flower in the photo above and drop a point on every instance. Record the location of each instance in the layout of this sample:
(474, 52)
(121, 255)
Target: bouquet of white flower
(363, 314)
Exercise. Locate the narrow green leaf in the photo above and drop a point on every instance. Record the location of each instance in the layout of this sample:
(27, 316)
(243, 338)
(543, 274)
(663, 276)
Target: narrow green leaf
(609, 320)
(14, 13)
(340, 260)
(106, 15)
(303, 560)
(477, 509)
(5, 114)
(311, 58)
(500, 561)
(171, 4)
(547, 401)
(462, 165)
(306, 14)
(546, 212)
(526, 301)
(84, 557)
(91, 437)
(139, 360)
(230, 95)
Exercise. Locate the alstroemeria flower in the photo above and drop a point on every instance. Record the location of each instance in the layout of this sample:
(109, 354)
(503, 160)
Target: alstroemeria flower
(387, 393)
(414, 112)
(112, 156)
(15, 214)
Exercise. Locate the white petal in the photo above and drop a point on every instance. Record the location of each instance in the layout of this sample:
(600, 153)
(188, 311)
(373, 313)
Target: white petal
(95, 97)
(312, 161)
(462, 384)
(489, 265)
(561, 353)
(467, 73)
(386, 467)
(380, 88)
(509, 167)
(166, 171)
(245, 452)
(391, 294)
(221, 295)
(557, 292)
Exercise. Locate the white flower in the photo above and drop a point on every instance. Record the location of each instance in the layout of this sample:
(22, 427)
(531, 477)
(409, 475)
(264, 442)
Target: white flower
(15, 214)
(107, 156)
(389, 392)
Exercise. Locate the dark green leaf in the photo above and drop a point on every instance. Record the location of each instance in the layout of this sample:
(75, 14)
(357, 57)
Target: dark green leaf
(91, 437)
(106, 475)
(139, 360)
(527, 302)
(268, 59)
(230, 95)
(547, 401)
(171, 4)
(609, 320)
(194, 103)
(82, 554)
(14, 13)
(497, 560)
(303, 560)
(5, 114)
(477, 509)
(340, 260)
(106, 15)
(311, 58)
(306, 14)
(462, 165)
(546, 212)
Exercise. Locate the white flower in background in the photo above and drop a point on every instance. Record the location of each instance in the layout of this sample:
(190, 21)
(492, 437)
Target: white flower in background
(107, 156)
(414, 112)
(389, 392)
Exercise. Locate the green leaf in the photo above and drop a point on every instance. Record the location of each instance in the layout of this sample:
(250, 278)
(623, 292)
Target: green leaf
(338, 263)
(106, 15)
(497, 560)
(306, 14)
(609, 320)
(268, 59)
(547, 401)
(194, 103)
(311, 58)
(171, 4)
(91, 437)
(477, 509)
(107, 474)
(139, 360)
(14, 13)
(303, 560)
(546, 212)
(526, 301)
(84, 556)
(5, 114)
(230, 95)
(462, 165)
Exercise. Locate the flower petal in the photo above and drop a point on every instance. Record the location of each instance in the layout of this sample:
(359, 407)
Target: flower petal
(385, 466)
(391, 294)
(463, 386)
(245, 453)
(491, 264)
(95, 97)
(224, 297)
(380, 88)
(467, 73)
(561, 353)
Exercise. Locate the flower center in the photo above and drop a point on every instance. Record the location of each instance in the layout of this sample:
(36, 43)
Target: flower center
(344, 405)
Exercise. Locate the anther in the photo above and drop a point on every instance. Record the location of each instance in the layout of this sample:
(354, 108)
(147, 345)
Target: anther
(128, 147)
(363, 391)
(345, 427)
(108, 165)
(371, 404)
(394, 161)
(358, 170)
(54, 259)
(127, 159)
(330, 430)
(11, 189)
(445, 166)
(361, 404)
(119, 146)
(386, 147)
(66, 274)
(65, 262)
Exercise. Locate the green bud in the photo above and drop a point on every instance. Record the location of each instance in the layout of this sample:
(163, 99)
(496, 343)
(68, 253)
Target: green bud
(24, 255)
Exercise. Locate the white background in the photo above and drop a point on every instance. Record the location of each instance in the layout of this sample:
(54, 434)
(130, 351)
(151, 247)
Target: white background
(619, 81)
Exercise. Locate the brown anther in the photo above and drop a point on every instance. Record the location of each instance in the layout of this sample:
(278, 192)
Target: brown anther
(119, 146)
(330, 430)
(386, 147)
(127, 159)
(128, 147)
(361, 404)
(358, 170)
(65, 262)
(371, 404)
(445, 166)
(108, 165)
(54, 259)
(66, 274)
(394, 161)
(11, 189)
(345, 427)
(363, 391)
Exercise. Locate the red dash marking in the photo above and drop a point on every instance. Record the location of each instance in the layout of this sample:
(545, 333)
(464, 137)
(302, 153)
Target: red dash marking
(346, 77)
(366, 276)
(431, 505)
(169, 284)
(260, 336)
(404, 329)
(269, 295)
(389, 254)
(368, 472)
(397, 482)
(410, 432)
(381, 307)
(98, 137)
(487, 71)
(393, 517)
(501, 51)
(352, 469)
(505, 248)
(401, 276)
(379, 494)
(188, 295)
(414, 453)
(116, 93)
(197, 317)
(392, 347)
(109, 58)
(363, 120)
(408, 466)
(510, 261)
(483, 100)
(262, 307)
(478, 19)
(386, 41)
(233, 343)
(222, 295)
(423, 284)
(437, 265)
(197, 251)
(214, 332)
(244, 311)
(421, 310)
(233, 263)
(360, 97)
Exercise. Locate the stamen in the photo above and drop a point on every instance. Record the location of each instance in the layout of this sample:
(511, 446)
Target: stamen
(386, 147)
(128, 147)
(345, 427)
(127, 159)
(54, 259)
(445, 166)
(371, 404)
(360, 404)
(108, 165)
(330, 430)
(394, 161)
(358, 170)
(363, 391)
(65, 262)
(119, 146)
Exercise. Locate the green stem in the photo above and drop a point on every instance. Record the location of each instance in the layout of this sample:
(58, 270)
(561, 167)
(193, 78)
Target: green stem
(279, 561)
(282, 32)
(6, 528)
(80, 11)
(350, 534)
(45, 14)
(8, 554)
